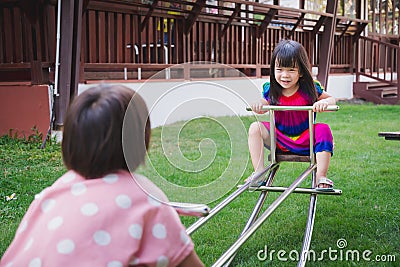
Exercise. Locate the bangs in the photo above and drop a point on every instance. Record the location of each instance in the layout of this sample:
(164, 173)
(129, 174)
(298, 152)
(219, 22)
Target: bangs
(286, 57)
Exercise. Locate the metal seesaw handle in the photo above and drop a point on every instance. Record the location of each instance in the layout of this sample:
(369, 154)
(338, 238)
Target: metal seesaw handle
(190, 209)
(271, 107)
(311, 118)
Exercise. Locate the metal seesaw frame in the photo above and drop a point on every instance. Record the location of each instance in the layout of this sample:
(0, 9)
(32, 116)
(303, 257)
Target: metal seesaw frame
(255, 221)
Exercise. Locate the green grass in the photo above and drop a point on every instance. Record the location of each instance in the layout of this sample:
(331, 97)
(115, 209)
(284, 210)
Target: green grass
(25, 170)
(366, 167)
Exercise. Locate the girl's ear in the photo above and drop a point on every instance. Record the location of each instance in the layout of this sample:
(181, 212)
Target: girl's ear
(300, 73)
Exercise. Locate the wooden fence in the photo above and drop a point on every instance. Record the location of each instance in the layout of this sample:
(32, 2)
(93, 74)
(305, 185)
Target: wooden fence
(126, 43)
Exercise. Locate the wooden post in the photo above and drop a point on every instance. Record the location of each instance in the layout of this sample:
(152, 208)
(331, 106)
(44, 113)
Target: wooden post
(398, 72)
(327, 43)
(70, 47)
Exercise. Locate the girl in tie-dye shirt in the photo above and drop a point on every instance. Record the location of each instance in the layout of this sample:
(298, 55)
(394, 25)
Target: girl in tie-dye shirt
(291, 84)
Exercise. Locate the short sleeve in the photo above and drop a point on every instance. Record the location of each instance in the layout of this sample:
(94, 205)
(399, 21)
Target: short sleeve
(265, 91)
(320, 88)
(165, 241)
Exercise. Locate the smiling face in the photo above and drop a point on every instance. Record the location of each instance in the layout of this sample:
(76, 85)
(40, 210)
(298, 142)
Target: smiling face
(287, 77)
(290, 70)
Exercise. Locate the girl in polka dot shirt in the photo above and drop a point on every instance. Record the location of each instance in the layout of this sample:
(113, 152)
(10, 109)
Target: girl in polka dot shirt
(99, 213)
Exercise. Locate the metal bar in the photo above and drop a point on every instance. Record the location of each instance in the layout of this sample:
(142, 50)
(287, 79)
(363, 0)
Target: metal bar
(58, 39)
(232, 250)
(272, 135)
(190, 209)
(299, 190)
(301, 108)
(311, 123)
(308, 232)
(255, 212)
(257, 208)
(225, 202)
(313, 197)
(252, 218)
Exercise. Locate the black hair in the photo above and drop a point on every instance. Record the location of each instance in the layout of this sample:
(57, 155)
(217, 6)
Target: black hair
(95, 122)
(287, 54)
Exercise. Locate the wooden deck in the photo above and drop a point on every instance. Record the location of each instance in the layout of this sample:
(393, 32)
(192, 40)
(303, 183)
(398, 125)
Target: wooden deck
(118, 35)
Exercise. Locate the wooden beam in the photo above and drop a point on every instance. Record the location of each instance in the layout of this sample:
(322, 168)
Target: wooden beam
(343, 31)
(145, 21)
(360, 29)
(267, 20)
(76, 51)
(231, 18)
(31, 9)
(318, 25)
(85, 5)
(296, 25)
(194, 14)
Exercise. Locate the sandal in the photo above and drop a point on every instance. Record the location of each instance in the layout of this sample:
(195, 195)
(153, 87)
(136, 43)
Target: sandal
(256, 180)
(325, 181)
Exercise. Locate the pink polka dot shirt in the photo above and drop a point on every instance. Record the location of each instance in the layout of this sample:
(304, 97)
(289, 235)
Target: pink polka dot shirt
(110, 222)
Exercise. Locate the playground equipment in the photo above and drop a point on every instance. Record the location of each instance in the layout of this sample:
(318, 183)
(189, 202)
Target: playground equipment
(262, 182)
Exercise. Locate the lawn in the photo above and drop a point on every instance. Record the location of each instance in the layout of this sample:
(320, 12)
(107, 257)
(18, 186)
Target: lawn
(363, 222)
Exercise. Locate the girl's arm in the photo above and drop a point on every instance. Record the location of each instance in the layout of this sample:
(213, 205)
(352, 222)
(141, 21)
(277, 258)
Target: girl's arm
(324, 100)
(191, 261)
(257, 107)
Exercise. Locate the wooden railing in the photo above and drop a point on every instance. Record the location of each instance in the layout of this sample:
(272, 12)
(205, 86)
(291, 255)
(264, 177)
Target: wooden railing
(378, 60)
(27, 46)
(377, 70)
(132, 41)
(137, 55)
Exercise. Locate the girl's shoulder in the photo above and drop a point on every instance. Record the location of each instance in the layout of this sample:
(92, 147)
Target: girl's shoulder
(320, 88)
(266, 85)
(265, 89)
